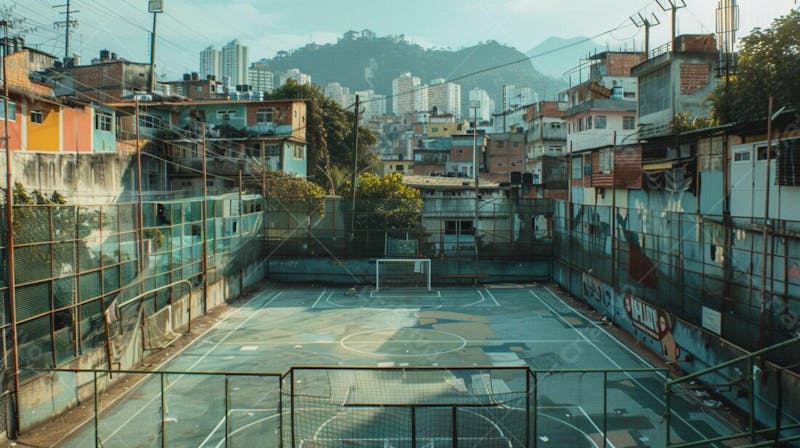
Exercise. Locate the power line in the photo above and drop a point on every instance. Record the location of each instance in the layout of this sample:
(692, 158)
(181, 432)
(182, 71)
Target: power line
(66, 23)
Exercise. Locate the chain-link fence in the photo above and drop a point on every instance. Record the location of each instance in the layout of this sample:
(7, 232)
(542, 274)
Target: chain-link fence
(86, 277)
(502, 228)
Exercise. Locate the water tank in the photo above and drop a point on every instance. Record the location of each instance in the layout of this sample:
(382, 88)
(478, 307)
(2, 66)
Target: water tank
(104, 54)
(187, 76)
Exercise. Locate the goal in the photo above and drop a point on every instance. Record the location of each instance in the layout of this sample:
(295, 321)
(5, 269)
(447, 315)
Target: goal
(402, 273)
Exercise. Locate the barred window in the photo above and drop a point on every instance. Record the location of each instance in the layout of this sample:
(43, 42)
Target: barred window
(788, 170)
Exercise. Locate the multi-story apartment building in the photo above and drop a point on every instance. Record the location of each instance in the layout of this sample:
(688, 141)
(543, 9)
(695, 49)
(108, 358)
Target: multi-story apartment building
(296, 75)
(106, 79)
(545, 149)
(505, 154)
(406, 94)
(211, 62)
(374, 105)
(260, 77)
(445, 97)
(676, 81)
(484, 102)
(601, 119)
(235, 61)
(338, 93)
(194, 87)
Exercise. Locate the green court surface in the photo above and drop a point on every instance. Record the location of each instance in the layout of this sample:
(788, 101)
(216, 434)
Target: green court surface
(515, 325)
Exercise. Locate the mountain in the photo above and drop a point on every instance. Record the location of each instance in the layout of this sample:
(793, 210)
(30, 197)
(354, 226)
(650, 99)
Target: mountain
(555, 62)
(372, 63)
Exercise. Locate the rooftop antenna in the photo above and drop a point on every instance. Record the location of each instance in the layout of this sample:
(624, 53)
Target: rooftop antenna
(727, 25)
(673, 6)
(646, 22)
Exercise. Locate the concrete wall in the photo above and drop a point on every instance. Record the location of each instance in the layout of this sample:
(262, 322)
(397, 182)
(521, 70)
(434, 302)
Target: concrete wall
(362, 272)
(81, 178)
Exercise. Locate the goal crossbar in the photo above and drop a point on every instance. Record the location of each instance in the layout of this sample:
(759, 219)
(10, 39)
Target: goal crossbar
(421, 266)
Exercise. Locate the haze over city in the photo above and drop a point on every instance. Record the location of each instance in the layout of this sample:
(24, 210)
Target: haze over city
(267, 26)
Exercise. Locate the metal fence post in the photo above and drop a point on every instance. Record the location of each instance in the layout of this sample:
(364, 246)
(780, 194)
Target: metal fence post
(779, 404)
(535, 410)
(96, 414)
(455, 426)
(605, 408)
(280, 409)
(227, 408)
(667, 412)
(527, 408)
(291, 404)
(163, 413)
(413, 427)
(751, 400)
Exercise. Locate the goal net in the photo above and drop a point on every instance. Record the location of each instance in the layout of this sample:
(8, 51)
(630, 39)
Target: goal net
(402, 273)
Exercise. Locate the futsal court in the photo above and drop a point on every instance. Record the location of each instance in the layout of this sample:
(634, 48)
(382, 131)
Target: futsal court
(407, 368)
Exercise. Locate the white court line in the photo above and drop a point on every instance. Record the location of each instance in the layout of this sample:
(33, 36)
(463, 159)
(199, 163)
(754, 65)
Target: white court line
(231, 411)
(318, 298)
(636, 355)
(634, 380)
(492, 297)
(471, 341)
(599, 431)
(617, 341)
(130, 419)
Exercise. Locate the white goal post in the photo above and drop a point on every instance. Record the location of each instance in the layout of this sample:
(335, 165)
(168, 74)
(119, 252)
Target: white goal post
(403, 272)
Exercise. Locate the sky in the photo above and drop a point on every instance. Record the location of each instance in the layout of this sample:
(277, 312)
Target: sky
(267, 26)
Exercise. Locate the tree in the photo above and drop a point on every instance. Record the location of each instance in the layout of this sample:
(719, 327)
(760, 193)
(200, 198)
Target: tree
(769, 65)
(329, 134)
(385, 202)
(287, 192)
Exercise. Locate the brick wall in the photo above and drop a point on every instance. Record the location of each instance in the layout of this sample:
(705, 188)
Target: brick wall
(694, 77)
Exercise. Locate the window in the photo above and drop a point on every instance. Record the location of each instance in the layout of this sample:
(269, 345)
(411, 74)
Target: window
(629, 95)
(12, 110)
(149, 121)
(628, 123)
(298, 152)
(762, 153)
(225, 115)
(273, 150)
(606, 161)
(102, 121)
(398, 168)
(37, 116)
(265, 115)
(577, 168)
(588, 122)
(788, 169)
(434, 129)
(600, 122)
(458, 228)
(741, 156)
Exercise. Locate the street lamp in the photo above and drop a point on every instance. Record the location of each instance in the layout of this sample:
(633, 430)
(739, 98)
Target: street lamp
(154, 7)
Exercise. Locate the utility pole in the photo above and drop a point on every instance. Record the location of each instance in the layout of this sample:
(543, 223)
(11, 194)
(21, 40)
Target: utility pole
(673, 6)
(645, 22)
(204, 212)
(66, 23)
(475, 106)
(355, 173)
(13, 427)
(154, 7)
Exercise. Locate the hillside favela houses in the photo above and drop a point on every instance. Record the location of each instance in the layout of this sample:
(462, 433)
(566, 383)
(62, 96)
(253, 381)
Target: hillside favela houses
(624, 211)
